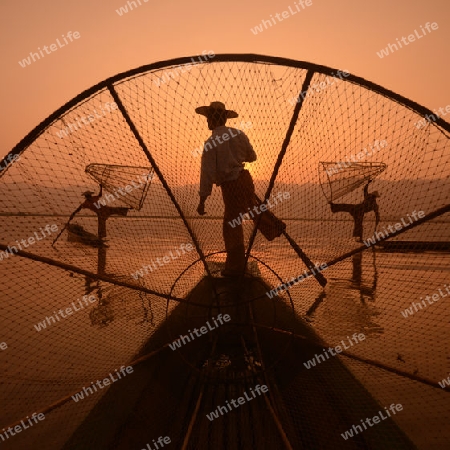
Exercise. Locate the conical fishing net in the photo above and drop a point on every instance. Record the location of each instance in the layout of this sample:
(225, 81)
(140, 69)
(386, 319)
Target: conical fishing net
(98, 348)
(129, 184)
(339, 179)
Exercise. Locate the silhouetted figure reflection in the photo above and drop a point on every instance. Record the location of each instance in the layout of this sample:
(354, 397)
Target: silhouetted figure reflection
(102, 314)
(351, 299)
(366, 291)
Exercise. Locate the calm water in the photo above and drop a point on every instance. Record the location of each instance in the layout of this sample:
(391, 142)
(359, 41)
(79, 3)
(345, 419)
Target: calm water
(363, 295)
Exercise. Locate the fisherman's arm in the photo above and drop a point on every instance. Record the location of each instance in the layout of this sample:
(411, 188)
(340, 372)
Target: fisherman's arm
(366, 189)
(206, 178)
(249, 150)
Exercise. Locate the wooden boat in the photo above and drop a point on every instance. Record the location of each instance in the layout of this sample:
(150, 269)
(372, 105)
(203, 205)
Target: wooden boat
(302, 116)
(172, 392)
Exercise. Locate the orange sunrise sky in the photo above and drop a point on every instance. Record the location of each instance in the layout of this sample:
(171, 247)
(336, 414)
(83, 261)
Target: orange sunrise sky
(344, 34)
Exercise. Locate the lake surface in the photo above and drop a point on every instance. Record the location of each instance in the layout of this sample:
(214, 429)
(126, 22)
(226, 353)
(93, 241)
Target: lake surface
(364, 295)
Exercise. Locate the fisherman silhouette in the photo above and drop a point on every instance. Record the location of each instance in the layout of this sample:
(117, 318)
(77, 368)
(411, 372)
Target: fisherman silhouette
(357, 211)
(223, 158)
(103, 212)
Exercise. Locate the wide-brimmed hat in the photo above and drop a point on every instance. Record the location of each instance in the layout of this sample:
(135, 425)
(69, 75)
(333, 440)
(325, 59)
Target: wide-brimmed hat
(216, 106)
(87, 193)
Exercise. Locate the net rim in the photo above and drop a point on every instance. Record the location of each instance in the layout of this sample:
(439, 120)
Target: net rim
(219, 58)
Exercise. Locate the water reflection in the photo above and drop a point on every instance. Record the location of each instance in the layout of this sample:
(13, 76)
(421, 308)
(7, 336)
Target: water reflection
(351, 300)
(366, 288)
(115, 299)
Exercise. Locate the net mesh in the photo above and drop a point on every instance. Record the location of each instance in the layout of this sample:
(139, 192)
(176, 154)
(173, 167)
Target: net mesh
(158, 275)
(339, 179)
(129, 184)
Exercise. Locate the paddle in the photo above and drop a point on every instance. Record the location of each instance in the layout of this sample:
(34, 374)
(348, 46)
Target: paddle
(318, 275)
(65, 226)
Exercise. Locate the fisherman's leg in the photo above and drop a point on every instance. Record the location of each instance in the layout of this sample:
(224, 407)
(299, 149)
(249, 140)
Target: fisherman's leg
(101, 260)
(233, 233)
(269, 225)
(247, 193)
(106, 212)
(101, 227)
(358, 228)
